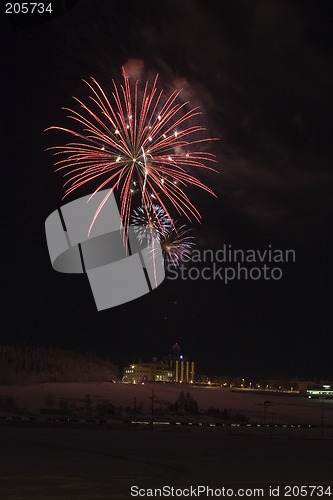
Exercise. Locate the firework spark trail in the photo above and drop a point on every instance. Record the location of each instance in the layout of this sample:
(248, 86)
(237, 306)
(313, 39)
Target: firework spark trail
(146, 173)
(134, 139)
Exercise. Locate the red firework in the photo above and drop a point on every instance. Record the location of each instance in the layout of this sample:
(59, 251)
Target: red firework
(135, 139)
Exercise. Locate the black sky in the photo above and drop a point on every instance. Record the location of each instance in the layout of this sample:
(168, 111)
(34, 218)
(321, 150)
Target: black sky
(261, 71)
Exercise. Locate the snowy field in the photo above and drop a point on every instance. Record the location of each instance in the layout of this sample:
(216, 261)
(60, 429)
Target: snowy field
(95, 464)
(60, 460)
(283, 409)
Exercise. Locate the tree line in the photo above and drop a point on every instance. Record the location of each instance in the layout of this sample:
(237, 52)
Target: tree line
(27, 364)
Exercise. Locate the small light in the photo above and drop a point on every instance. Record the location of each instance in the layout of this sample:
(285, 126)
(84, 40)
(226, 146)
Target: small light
(116, 131)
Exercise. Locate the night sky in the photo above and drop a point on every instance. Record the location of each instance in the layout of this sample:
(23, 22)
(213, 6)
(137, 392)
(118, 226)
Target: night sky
(261, 72)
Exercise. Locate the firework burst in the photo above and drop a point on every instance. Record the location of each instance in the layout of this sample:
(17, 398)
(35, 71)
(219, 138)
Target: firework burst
(151, 219)
(134, 138)
(177, 245)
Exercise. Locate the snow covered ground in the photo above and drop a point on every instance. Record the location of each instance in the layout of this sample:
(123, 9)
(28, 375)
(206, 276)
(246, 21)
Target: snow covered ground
(282, 409)
(94, 463)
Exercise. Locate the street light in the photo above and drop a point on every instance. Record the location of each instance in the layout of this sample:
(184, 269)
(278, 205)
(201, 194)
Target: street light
(152, 409)
(322, 416)
(265, 404)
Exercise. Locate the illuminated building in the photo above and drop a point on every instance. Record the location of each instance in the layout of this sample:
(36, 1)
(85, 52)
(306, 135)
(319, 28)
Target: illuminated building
(183, 370)
(138, 373)
(173, 368)
(322, 392)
